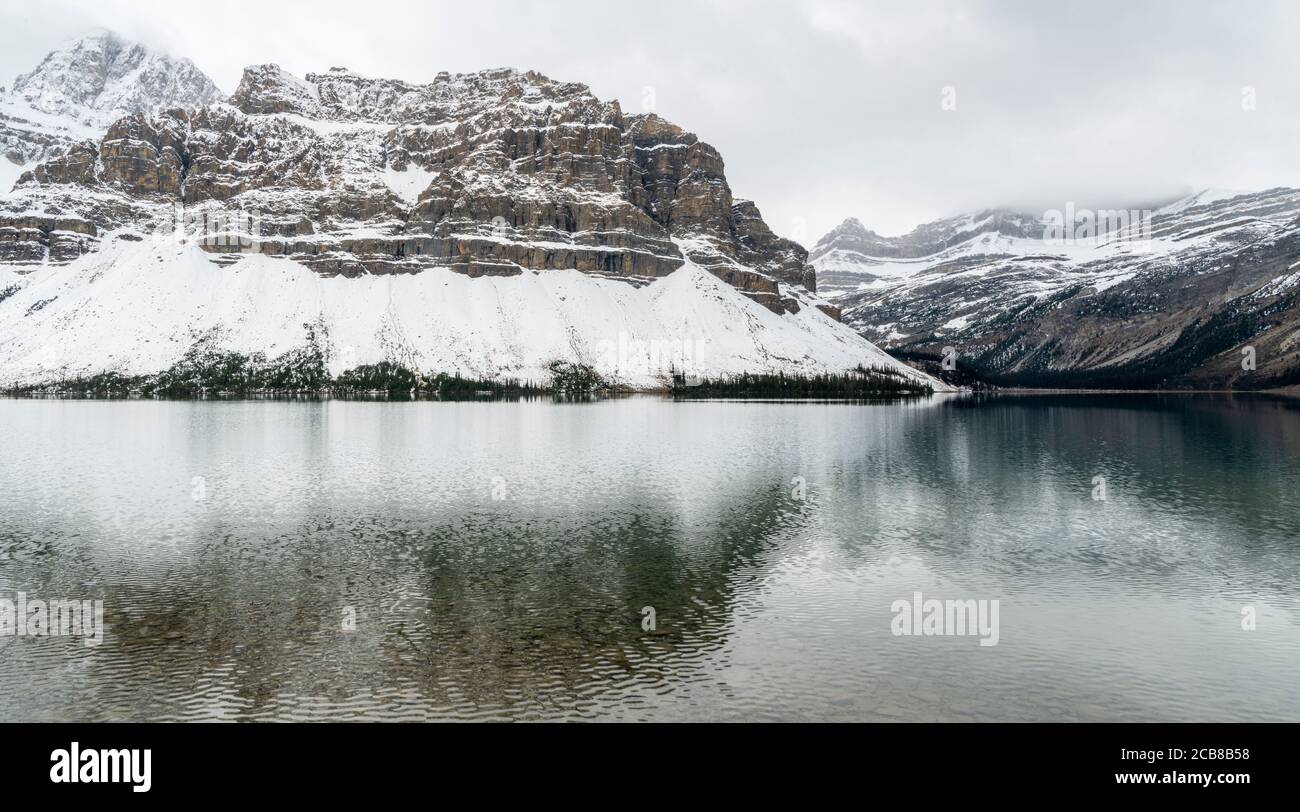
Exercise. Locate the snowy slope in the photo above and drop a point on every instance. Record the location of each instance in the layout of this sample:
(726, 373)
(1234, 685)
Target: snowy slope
(9, 174)
(1202, 198)
(135, 307)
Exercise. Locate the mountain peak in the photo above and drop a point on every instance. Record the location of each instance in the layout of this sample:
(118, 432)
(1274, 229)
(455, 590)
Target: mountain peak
(102, 76)
(850, 227)
(850, 235)
(270, 88)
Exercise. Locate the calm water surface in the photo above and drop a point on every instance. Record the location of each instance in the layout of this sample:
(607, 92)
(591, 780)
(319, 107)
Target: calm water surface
(497, 558)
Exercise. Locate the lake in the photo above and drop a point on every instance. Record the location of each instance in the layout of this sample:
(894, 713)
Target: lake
(640, 559)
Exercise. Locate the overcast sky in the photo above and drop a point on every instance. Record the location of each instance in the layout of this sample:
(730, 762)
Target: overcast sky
(823, 109)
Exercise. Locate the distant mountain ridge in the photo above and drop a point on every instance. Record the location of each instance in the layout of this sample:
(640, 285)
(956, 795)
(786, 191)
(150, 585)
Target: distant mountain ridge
(846, 254)
(1217, 281)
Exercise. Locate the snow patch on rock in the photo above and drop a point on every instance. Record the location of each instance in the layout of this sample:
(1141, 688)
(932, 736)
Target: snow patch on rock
(9, 174)
(408, 183)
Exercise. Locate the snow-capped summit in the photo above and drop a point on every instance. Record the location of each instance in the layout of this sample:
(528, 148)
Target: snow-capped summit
(102, 77)
(78, 90)
(845, 255)
(851, 256)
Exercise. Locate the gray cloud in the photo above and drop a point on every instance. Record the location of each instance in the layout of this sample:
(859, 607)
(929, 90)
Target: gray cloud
(826, 108)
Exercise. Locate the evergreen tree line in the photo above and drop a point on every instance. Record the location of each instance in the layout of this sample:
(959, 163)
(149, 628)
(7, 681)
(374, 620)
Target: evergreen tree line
(206, 372)
(860, 383)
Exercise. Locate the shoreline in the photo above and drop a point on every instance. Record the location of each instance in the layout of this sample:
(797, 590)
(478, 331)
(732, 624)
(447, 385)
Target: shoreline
(379, 396)
(1290, 391)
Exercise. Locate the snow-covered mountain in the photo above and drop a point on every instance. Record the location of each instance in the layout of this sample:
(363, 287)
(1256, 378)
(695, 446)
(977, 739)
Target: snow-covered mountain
(484, 223)
(850, 255)
(79, 90)
(1176, 305)
(101, 77)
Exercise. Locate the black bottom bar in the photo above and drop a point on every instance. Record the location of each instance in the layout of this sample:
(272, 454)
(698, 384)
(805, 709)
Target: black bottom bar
(330, 762)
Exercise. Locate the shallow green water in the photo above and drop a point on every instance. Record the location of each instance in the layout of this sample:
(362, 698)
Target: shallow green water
(497, 558)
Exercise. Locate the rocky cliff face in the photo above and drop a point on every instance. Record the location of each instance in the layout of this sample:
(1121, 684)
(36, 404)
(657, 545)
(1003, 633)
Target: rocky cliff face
(1216, 285)
(78, 91)
(491, 173)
